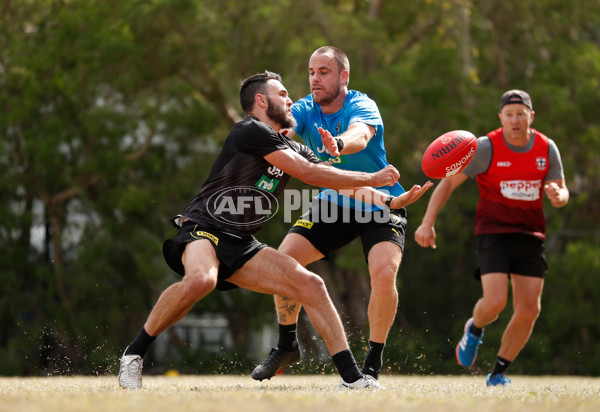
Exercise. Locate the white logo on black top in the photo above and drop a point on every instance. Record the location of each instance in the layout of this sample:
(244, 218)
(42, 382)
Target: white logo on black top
(242, 206)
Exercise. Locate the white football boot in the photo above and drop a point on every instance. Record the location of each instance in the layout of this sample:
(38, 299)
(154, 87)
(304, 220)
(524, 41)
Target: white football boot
(130, 372)
(366, 382)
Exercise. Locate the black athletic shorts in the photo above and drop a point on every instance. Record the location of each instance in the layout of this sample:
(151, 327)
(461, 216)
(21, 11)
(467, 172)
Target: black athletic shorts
(329, 227)
(232, 251)
(517, 253)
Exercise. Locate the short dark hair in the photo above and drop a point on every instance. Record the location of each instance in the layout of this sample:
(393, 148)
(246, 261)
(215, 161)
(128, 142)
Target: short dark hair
(340, 57)
(253, 85)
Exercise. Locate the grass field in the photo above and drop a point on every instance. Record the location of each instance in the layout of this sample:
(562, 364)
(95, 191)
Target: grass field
(298, 393)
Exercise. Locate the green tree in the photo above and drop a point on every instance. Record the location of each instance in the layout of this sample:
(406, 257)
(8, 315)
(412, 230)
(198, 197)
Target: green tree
(112, 112)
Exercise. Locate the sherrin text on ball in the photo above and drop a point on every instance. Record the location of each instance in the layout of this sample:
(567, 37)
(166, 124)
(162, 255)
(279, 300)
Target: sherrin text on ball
(449, 154)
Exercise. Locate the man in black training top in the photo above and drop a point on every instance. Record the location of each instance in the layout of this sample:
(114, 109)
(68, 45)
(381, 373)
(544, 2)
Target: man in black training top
(215, 246)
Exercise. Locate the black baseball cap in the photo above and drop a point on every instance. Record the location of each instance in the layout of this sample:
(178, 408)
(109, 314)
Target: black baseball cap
(515, 96)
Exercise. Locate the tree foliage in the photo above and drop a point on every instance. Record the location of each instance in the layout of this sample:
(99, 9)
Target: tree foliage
(111, 114)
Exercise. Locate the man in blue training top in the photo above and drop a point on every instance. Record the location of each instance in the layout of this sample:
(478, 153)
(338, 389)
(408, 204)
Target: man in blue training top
(343, 127)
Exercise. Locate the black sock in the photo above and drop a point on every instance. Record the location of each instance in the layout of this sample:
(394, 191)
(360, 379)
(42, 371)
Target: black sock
(500, 366)
(346, 366)
(140, 344)
(374, 359)
(474, 330)
(287, 337)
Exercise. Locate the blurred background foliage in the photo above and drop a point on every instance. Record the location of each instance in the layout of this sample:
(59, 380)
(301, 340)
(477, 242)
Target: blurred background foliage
(111, 113)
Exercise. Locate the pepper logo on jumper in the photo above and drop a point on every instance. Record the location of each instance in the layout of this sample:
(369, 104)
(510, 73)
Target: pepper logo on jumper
(242, 205)
(526, 190)
(267, 184)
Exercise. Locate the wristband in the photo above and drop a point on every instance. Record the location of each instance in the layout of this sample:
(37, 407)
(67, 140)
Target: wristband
(340, 144)
(388, 202)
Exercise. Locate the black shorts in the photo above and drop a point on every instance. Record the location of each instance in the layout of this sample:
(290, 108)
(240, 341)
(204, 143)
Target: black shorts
(232, 251)
(329, 227)
(516, 253)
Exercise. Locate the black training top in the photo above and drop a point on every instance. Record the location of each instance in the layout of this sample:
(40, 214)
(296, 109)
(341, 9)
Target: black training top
(240, 192)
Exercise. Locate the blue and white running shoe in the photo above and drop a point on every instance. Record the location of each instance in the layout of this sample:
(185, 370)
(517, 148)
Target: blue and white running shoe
(466, 350)
(497, 380)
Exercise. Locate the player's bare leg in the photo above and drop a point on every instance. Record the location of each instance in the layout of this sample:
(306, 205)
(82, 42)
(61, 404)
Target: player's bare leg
(493, 302)
(299, 248)
(384, 260)
(527, 293)
(201, 263)
(201, 270)
(273, 272)
(486, 311)
(287, 351)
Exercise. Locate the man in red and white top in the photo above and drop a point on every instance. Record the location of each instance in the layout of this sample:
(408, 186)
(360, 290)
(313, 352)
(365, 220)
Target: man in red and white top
(513, 166)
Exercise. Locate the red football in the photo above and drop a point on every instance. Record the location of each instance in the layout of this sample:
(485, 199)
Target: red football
(449, 154)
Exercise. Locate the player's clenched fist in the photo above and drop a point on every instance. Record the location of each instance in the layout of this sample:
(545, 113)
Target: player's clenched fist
(425, 236)
(387, 176)
(557, 195)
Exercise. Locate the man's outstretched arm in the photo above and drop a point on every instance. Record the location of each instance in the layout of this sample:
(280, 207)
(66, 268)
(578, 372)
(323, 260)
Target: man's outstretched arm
(324, 175)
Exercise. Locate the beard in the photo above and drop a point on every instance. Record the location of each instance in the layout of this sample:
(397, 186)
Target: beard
(329, 97)
(279, 115)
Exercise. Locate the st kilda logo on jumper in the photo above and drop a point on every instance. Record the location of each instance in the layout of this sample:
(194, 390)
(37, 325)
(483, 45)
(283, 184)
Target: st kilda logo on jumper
(541, 163)
(242, 206)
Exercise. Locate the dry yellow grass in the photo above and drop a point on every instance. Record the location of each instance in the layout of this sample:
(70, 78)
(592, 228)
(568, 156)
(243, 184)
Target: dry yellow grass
(291, 393)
